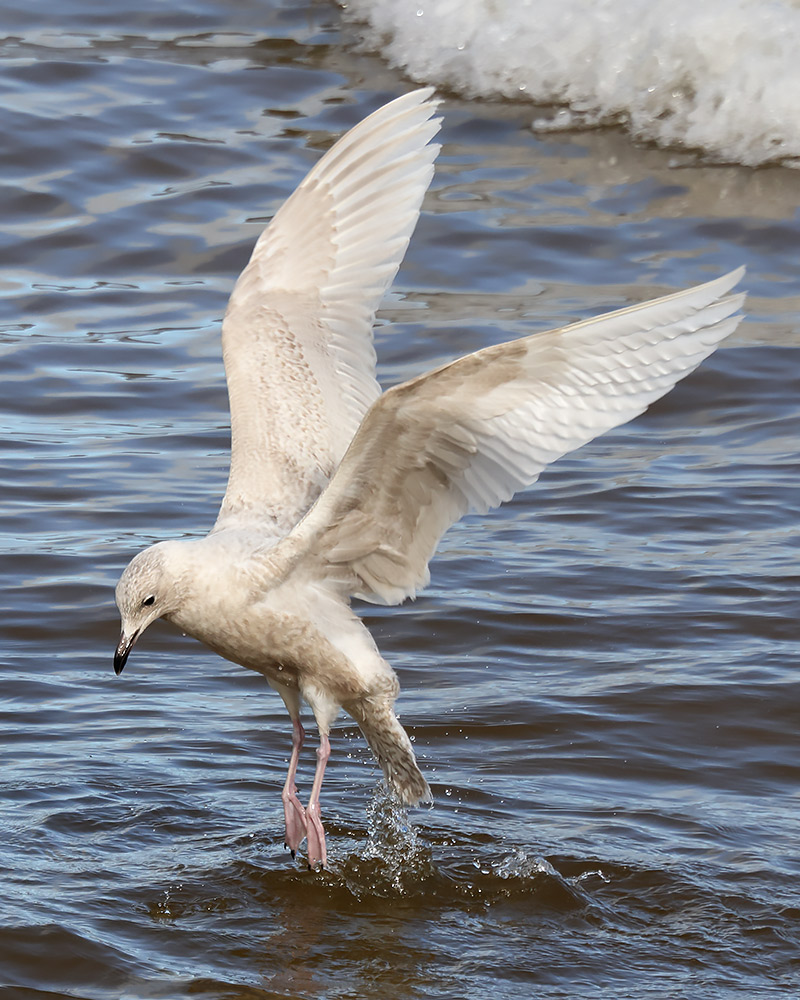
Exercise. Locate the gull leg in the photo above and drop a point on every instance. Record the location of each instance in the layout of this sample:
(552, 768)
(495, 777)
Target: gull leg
(293, 811)
(317, 854)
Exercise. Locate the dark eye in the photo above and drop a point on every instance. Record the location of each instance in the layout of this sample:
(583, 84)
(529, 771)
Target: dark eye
(148, 601)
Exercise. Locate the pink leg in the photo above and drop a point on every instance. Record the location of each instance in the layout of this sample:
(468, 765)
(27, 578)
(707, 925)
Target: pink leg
(317, 855)
(293, 812)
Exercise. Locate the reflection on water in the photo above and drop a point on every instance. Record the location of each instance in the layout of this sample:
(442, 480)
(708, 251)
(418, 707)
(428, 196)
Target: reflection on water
(600, 679)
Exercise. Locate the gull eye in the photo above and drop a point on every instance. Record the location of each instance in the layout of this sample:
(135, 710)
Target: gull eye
(148, 601)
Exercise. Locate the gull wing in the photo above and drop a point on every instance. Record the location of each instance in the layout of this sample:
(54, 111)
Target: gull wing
(468, 435)
(297, 333)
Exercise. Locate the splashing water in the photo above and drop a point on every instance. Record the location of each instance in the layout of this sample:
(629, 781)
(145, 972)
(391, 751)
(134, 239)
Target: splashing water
(395, 858)
(721, 77)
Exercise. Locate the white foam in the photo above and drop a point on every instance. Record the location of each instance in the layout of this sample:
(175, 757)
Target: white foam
(720, 75)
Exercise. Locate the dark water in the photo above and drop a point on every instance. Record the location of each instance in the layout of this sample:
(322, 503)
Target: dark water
(601, 681)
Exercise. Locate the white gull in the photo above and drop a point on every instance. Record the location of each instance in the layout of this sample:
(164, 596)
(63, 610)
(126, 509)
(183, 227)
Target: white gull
(337, 491)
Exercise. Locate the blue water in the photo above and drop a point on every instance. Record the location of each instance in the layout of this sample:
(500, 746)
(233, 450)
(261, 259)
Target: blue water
(601, 679)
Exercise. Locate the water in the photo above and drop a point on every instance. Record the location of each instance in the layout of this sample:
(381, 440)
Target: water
(721, 76)
(601, 680)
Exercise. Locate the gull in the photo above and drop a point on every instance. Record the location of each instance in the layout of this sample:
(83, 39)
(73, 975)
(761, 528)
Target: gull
(338, 491)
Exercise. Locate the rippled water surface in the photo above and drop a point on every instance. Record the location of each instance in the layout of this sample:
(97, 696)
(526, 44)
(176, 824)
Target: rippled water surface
(601, 680)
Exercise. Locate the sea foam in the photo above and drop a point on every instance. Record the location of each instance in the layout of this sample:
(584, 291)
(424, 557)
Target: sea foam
(722, 76)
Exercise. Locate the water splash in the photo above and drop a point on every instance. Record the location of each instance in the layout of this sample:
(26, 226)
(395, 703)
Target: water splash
(395, 859)
(519, 865)
(720, 76)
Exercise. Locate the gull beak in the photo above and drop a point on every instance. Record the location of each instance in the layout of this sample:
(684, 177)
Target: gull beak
(125, 645)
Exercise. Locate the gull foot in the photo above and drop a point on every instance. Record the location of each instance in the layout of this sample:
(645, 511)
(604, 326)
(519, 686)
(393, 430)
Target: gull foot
(317, 853)
(295, 820)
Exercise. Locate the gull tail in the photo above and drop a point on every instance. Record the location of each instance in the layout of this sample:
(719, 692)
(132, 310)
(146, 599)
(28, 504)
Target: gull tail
(392, 747)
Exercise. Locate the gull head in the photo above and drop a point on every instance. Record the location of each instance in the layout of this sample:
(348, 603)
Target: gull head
(148, 589)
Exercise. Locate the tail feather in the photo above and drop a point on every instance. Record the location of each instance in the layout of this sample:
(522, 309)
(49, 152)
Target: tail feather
(392, 747)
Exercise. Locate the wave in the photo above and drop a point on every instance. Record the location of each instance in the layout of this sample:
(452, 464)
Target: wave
(722, 76)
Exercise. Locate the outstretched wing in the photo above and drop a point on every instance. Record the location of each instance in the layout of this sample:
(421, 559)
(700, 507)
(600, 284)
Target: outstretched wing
(297, 334)
(468, 435)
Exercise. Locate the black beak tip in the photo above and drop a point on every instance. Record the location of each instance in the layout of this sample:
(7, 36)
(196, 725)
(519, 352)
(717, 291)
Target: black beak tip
(124, 646)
